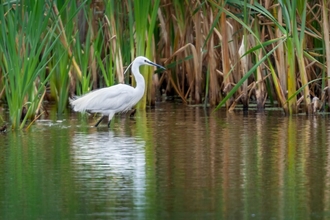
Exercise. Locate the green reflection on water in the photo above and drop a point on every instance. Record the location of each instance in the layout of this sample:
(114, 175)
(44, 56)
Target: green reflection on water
(169, 162)
(35, 175)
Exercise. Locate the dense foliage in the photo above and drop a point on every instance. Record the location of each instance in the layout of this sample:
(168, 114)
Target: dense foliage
(216, 52)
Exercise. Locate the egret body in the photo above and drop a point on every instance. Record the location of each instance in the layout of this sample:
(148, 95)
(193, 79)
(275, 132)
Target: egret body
(117, 98)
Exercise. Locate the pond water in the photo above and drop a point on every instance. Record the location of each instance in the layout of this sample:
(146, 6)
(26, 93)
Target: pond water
(169, 162)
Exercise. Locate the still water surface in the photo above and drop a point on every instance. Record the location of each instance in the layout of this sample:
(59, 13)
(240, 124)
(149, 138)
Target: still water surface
(170, 162)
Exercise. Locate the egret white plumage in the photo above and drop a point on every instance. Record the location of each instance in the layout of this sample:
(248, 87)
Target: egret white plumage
(117, 98)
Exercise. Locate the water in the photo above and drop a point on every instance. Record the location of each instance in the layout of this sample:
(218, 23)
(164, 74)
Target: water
(171, 162)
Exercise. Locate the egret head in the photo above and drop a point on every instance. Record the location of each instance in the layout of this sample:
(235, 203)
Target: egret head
(145, 61)
(141, 60)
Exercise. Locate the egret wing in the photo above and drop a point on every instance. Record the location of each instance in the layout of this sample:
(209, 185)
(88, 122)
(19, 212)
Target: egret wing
(118, 100)
(103, 100)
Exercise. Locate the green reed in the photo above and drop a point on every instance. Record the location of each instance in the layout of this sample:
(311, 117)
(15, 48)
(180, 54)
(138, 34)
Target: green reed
(104, 63)
(26, 42)
(144, 40)
(60, 80)
(82, 54)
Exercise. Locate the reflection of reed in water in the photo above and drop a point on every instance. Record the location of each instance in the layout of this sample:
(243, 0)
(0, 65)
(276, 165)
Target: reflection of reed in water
(237, 165)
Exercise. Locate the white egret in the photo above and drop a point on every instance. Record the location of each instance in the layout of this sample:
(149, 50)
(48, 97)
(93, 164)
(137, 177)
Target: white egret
(117, 98)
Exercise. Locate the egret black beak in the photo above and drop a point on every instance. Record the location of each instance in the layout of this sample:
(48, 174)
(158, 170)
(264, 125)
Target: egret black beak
(155, 64)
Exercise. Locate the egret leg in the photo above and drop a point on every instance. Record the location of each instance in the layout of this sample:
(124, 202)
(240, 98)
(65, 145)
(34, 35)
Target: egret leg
(99, 121)
(110, 117)
(132, 113)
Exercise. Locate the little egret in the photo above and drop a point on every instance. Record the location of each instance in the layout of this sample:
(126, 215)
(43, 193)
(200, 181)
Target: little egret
(117, 98)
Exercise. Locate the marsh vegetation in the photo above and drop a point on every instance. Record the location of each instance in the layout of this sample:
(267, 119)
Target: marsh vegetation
(217, 53)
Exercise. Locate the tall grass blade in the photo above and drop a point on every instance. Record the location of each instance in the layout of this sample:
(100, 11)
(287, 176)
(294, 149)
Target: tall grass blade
(26, 42)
